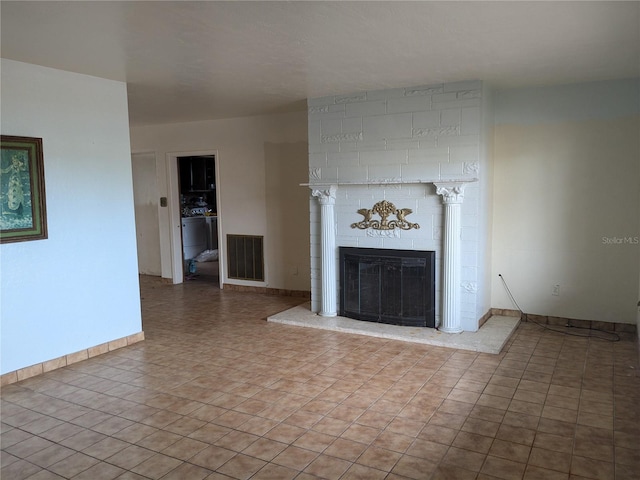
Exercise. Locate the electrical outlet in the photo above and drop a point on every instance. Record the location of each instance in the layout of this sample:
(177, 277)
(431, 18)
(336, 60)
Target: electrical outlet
(555, 290)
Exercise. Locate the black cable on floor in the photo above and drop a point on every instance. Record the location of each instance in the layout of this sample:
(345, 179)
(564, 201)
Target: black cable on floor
(614, 336)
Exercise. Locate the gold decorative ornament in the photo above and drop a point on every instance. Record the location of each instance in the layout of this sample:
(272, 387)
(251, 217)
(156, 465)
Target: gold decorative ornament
(384, 209)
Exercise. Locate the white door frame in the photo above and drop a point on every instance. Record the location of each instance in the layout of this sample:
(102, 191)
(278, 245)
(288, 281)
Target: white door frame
(175, 214)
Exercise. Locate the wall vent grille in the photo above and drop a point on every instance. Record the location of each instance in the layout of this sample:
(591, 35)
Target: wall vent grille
(245, 257)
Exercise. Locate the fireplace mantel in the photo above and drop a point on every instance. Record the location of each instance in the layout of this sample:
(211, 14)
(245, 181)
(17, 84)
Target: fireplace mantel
(452, 192)
(382, 183)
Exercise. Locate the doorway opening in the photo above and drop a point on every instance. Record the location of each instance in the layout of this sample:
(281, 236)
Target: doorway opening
(199, 218)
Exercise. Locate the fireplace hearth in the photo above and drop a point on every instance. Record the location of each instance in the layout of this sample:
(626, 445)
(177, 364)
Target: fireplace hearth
(395, 287)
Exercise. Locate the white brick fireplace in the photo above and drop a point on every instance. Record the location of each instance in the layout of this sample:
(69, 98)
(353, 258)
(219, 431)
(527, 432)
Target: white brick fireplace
(422, 148)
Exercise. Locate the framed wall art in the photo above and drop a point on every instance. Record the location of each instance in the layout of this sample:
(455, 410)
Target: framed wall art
(23, 213)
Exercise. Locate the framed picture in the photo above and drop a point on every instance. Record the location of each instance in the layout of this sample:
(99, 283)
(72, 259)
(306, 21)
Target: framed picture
(23, 213)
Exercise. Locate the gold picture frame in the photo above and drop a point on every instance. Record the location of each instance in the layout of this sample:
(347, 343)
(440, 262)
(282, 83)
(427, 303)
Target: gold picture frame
(23, 213)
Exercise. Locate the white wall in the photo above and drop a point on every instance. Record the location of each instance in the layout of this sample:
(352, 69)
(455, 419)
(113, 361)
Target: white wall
(247, 151)
(287, 215)
(146, 201)
(566, 185)
(417, 134)
(78, 288)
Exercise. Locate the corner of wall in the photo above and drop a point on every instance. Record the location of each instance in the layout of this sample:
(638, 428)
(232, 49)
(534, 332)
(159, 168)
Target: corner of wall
(69, 359)
(486, 202)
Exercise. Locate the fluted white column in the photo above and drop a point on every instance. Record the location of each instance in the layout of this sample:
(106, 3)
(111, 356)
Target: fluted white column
(452, 197)
(327, 198)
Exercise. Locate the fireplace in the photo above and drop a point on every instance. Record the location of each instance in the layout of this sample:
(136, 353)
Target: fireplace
(396, 287)
(424, 148)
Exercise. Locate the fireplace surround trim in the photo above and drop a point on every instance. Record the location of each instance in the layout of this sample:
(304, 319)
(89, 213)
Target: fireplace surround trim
(452, 192)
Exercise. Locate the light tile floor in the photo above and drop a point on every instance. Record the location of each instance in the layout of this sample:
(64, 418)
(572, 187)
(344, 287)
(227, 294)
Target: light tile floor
(217, 392)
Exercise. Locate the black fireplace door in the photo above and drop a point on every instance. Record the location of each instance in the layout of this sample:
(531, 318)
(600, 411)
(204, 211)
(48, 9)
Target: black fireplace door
(388, 286)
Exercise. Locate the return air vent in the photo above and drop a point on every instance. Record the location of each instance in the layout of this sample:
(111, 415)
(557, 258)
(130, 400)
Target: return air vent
(245, 257)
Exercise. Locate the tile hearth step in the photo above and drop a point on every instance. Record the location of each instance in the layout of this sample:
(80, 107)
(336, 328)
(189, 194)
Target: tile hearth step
(490, 338)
